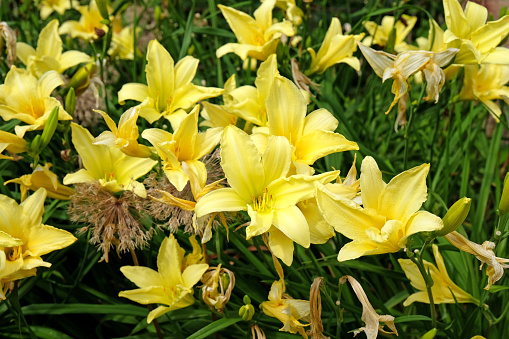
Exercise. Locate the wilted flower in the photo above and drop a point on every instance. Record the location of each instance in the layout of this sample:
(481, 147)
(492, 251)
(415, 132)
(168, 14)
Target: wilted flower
(259, 36)
(400, 67)
(444, 289)
(217, 287)
(8, 36)
(336, 48)
(171, 286)
(48, 55)
(369, 316)
(389, 213)
(288, 310)
(484, 253)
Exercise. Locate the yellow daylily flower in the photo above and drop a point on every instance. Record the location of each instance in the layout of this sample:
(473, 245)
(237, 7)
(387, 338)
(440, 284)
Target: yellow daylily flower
(125, 137)
(379, 34)
(400, 67)
(86, 28)
(482, 252)
(46, 7)
(43, 177)
(389, 213)
(486, 83)
(258, 185)
(171, 286)
(312, 137)
(259, 36)
(369, 316)
(181, 151)
(122, 44)
(336, 48)
(27, 98)
(248, 102)
(169, 91)
(476, 39)
(24, 239)
(48, 55)
(216, 116)
(12, 143)
(288, 310)
(114, 170)
(292, 12)
(444, 290)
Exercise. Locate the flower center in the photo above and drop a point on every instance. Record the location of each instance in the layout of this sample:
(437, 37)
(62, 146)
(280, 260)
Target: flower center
(263, 203)
(109, 176)
(13, 253)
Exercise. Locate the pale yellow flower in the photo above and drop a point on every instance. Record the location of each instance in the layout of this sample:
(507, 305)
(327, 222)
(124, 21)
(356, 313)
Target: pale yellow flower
(259, 36)
(24, 239)
(380, 34)
(258, 185)
(180, 152)
(389, 213)
(86, 28)
(12, 143)
(46, 7)
(484, 253)
(125, 137)
(486, 83)
(400, 67)
(216, 116)
(336, 48)
(48, 55)
(476, 39)
(26, 98)
(171, 286)
(122, 44)
(444, 289)
(114, 170)
(288, 310)
(169, 90)
(292, 12)
(248, 102)
(42, 176)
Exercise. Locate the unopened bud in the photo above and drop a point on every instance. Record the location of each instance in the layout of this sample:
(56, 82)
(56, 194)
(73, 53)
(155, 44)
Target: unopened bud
(81, 79)
(49, 129)
(455, 216)
(70, 101)
(246, 312)
(157, 15)
(503, 207)
(246, 300)
(430, 334)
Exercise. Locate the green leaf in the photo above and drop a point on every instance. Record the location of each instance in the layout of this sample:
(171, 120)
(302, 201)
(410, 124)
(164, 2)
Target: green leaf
(54, 309)
(410, 318)
(214, 327)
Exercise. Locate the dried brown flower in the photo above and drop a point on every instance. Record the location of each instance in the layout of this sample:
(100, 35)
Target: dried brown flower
(113, 221)
(217, 287)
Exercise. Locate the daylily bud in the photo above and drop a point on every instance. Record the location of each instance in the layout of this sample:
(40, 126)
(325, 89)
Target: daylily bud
(430, 334)
(81, 79)
(246, 312)
(157, 15)
(246, 299)
(455, 216)
(34, 146)
(49, 129)
(503, 207)
(70, 101)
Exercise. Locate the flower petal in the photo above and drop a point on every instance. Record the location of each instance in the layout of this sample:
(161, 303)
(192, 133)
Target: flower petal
(221, 200)
(133, 91)
(281, 246)
(372, 183)
(293, 224)
(319, 143)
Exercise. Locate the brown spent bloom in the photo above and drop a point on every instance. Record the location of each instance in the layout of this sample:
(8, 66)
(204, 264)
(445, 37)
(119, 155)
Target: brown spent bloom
(484, 253)
(315, 306)
(113, 221)
(257, 332)
(7, 34)
(369, 316)
(214, 292)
